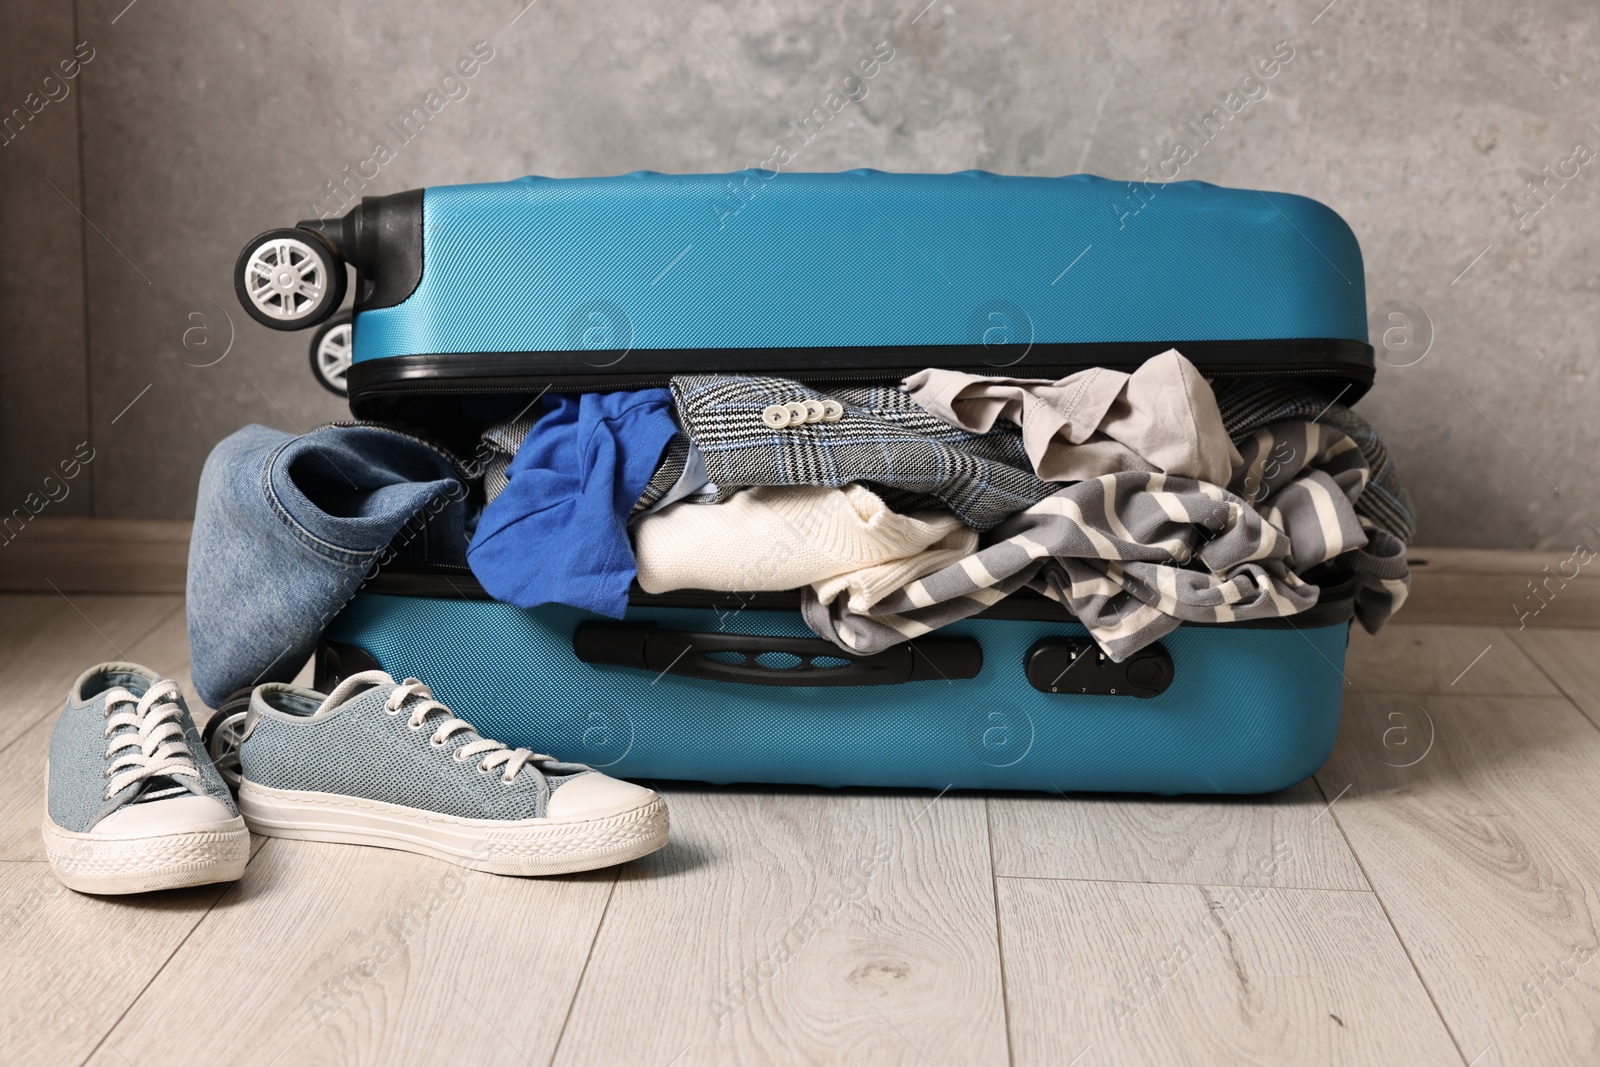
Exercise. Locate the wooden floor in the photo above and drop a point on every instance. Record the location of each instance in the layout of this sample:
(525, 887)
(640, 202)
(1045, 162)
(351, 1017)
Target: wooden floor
(1431, 897)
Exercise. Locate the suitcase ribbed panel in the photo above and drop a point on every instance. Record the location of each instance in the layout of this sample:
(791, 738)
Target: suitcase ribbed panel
(864, 258)
(1248, 711)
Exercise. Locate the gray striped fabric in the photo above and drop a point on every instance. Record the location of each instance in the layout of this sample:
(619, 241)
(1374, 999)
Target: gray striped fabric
(1134, 554)
(1383, 578)
(1383, 510)
(1251, 403)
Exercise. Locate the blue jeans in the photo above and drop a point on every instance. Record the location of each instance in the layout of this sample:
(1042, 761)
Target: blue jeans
(287, 528)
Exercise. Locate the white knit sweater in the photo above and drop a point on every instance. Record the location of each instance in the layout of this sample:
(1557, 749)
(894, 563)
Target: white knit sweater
(842, 541)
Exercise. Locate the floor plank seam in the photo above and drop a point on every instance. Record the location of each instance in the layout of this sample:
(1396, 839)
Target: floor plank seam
(999, 935)
(230, 888)
(577, 988)
(1200, 885)
(1516, 642)
(1401, 941)
(1435, 692)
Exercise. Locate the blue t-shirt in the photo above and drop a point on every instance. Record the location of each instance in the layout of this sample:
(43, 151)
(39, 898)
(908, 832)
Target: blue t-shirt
(557, 534)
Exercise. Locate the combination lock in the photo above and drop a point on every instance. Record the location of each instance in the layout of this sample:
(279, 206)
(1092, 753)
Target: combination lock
(1076, 665)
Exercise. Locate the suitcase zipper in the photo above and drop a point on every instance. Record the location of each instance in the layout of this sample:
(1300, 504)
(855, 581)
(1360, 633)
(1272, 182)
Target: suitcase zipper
(467, 373)
(596, 383)
(452, 581)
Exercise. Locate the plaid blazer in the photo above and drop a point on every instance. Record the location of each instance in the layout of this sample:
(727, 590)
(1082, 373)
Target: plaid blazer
(916, 460)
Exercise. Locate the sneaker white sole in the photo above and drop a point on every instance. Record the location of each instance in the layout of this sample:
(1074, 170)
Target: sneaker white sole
(525, 847)
(96, 863)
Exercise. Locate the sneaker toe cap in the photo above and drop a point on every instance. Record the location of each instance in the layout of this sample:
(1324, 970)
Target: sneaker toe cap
(595, 795)
(175, 815)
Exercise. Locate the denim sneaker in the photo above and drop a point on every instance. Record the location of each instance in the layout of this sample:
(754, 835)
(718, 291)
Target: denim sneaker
(132, 801)
(380, 762)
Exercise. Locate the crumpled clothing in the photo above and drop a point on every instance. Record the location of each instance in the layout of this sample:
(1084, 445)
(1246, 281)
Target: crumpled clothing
(843, 542)
(1250, 403)
(915, 459)
(557, 533)
(681, 474)
(1383, 579)
(1163, 417)
(1118, 551)
(1245, 405)
(287, 528)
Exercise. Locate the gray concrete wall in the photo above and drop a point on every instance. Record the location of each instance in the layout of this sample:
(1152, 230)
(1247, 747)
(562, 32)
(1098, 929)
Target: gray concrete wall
(194, 126)
(44, 410)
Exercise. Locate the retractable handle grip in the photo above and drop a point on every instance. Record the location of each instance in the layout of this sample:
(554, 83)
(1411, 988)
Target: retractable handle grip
(789, 661)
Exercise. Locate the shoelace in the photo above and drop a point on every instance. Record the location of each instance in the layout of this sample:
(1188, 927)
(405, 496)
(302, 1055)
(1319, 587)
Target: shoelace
(495, 753)
(158, 745)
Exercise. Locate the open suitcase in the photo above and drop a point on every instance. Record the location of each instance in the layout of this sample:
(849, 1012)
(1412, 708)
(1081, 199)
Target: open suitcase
(506, 289)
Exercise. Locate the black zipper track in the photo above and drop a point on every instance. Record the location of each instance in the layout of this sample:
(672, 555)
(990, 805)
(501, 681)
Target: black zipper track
(442, 581)
(473, 386)
(476, 373)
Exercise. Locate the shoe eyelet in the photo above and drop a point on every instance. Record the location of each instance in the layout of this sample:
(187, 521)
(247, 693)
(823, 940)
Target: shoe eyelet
(106, 773)
(460, 756)
(485, 770)
(387, 710)
(436, 743)
(414, 729)
(509, 783)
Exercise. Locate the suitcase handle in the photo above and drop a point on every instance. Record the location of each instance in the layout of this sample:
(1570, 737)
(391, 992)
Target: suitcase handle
(757, 659)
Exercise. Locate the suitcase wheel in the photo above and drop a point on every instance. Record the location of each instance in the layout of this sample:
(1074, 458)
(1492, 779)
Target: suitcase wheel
(330, 353)
(222, 735)
(289, 279)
